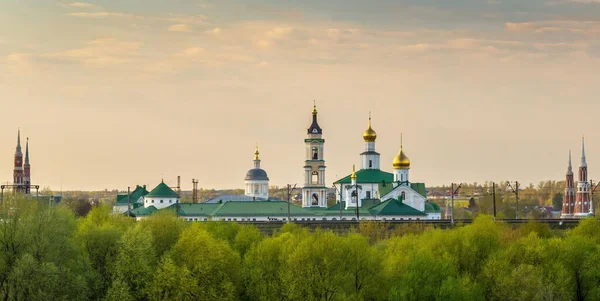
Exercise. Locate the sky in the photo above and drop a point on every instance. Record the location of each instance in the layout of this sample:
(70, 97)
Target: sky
(118, 93)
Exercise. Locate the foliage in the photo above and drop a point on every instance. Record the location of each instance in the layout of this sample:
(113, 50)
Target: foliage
(48, 253)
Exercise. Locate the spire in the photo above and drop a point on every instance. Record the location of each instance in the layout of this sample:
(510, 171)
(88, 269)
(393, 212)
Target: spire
(583, 161)
(256, 153)
(19, 141)
(570, 169)
(314, 127)
(27, 152)
(353, 176)
(400, 140)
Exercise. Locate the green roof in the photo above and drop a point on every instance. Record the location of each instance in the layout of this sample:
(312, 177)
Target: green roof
(197, 209)
(335, 210)
(259, 208)
(162, 191)
(420, 188)
(369, 176)
(394, 207)
(143, 211)
(137, 193)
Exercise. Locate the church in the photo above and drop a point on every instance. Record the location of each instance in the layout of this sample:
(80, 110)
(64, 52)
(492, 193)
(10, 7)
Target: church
(577, 204)
(22, 170)
(366, 194)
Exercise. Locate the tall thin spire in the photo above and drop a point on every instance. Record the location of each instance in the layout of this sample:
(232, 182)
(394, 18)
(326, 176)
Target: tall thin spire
(570, 169)
(19, 141)
(27, 152)
(583, 161)
(400, 140)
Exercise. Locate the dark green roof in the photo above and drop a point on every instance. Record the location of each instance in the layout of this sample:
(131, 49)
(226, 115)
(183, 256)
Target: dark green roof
(143, 211)
(162, 191)
(420, 188)
(197, 209)
(137, 193)
(369, 176)
(258, 208)
(394, 207)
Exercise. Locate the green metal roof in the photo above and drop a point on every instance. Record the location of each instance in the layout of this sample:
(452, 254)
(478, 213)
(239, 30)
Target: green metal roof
(162, 191)
(394, 207)
(259, 208)
(197, 209)
(369, 176)
(137, 193)
(420, 188)
(143, 211)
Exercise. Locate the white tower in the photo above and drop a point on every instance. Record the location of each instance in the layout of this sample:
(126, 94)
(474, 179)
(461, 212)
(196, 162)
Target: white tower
(401, 166)
(314, 193)
(370, 158)
(257, 181)
(352, 193)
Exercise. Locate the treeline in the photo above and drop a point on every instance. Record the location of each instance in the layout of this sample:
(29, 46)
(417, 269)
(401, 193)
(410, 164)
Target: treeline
(47, 253)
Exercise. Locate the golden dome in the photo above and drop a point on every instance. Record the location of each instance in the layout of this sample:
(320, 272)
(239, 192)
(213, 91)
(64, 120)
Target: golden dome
(369, 135)
(401, 161)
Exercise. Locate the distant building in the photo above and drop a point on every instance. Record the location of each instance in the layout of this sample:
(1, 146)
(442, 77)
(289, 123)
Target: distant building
(22, 171)
(130, 201)
(577, 204)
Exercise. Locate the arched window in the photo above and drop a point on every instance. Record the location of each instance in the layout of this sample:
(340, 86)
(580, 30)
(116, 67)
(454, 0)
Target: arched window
(403, 195)
(255, 188)
(353, 197)
(315, 177)
(161, 201)
(370, 163)
(315, 153)
(152, 201)
(315, 199)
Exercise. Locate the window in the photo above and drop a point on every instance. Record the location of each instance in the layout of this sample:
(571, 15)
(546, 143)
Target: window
(152, 201)
(370, 163)
(161, 201)
(353, 197)
(315, 177)
(403, 195)
(368, 194)
(170, 201)
(255, 188)
(315, 153)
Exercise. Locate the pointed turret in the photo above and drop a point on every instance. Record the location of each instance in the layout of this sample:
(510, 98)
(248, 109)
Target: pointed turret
(570, 168)
(27, 152)
(18, 151)
(583, 160)
(314, 127)
(568, 202)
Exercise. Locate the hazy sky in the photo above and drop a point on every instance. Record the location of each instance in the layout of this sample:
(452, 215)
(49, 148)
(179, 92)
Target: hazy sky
(118, 93)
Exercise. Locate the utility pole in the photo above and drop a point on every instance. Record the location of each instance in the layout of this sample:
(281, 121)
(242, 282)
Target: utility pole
(453, 193)
(593, 188)
(289, 192)
(194, 191)
(494, 198)
(179, 193)
(516, 191)
(128, 201)
(357, 198)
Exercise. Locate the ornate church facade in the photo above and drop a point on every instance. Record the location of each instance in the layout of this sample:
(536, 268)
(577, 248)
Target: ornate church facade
(22, 170)
(577, 203)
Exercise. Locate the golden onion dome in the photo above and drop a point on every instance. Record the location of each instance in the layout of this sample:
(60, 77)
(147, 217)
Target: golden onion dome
(314, 111)
(401, 161)
(370, 135)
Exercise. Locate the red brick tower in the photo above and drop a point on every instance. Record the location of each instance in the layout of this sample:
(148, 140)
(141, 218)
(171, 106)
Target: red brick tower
(18, 171)
(27, 171)
(582, 204)
(569, 196)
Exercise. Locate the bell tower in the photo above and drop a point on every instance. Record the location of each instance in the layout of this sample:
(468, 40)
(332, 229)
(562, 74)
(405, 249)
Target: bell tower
(18, 171)
(314, 193)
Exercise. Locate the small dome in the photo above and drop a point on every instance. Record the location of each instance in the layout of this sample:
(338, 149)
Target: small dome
(369, 135)
(256, 174)
(401, 161)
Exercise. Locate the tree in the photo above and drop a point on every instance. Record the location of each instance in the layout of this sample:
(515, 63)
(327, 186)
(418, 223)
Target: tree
(557, 201)
(212, 263)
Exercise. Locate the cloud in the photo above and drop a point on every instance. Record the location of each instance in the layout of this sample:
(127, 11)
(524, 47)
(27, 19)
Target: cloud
(180, 28)
(106, 51)
(214, 31)
(97, 15)
(552, 26)
(190, 52)
(82, 5)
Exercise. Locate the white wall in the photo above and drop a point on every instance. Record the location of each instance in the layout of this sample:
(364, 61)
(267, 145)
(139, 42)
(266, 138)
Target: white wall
(159, 202)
